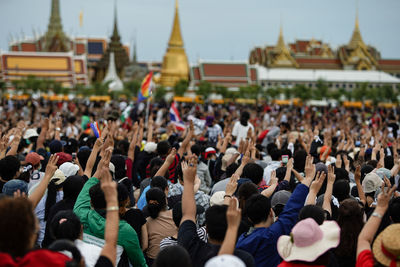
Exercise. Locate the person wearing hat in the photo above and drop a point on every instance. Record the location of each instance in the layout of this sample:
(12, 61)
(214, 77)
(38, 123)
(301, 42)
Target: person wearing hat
(386, 247)
(35, 159)
(13, 186)
(308, 243)
(371, 184)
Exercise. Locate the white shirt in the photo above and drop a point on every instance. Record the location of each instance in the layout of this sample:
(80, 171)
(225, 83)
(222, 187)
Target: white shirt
(273, 165)
(240, 131)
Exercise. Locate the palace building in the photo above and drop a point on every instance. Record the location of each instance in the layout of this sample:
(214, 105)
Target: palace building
(59, 57)
(315, 54)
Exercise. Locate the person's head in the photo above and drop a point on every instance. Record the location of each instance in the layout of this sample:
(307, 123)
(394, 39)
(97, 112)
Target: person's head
(254, 172)
(275, 154)
(9, 168)
(120, 167)
(245, 191)
(123, 198)
(341, 174)
(34, 159)
(19, 226)
(394, 210)
(71, 146)
(365, 169)
(351, 221)
(172, 256)
(159, 182)
(163, 148)
(309, 243)
(216, 222)
(98, 201)
(371, 183)
(258, 209)
(341, 190)
(73, 186)
(65, 225)
(231, 169)
(299, 160)
(155, 165)
(312, 211)
(56, 146)
(13, 186)
(196, 149)
(156, 201)
(279, 200)
(83, 156)
(244, 118)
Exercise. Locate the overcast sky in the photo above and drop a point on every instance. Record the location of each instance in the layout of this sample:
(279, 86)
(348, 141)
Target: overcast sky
(212, 29)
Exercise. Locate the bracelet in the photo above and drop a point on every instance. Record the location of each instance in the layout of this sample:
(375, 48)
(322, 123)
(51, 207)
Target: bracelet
(113, 208)
(228, 196)
(58, 129)
(375, 214)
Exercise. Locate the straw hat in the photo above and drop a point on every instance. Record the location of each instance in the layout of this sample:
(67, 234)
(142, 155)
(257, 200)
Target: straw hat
(308, 240)
(386, 247)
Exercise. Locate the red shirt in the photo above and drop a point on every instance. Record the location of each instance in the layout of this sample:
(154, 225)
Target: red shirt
(365, 259)
(290, 264)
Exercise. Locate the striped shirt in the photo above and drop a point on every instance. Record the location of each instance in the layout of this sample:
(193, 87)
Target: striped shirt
(171, 241)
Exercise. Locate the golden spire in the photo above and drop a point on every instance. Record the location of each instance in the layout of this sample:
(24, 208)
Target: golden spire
(176, 37)
(356, 38)
(280, 46)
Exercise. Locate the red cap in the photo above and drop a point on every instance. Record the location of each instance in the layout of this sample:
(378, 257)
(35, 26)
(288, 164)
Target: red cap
(63, 157)
(33, 158)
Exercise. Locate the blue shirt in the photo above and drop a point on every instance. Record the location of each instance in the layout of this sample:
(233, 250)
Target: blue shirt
(261, 242)
(142, 199)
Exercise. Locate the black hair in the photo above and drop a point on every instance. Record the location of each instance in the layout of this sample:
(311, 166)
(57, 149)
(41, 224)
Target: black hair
(312, 211)
(280, 173)
(394, 210)
(286, 152)
(123, 194)
(270, 147)
(244, 117)
(196, 149)
(216, 223)
(177, 213)
(173, 256)
(163, 148)
(159, 182)
(97, 197)
(119, 164)
(83, 157)
(73, 186)
(275, 154)
(26, 173)
(67, 245)
(123, 146)
(156, 201)
(178, 171)
(65, 225)
(51, 198)
(155, 165)
(254, 172)
(231, 169)
(341, 190)
(388, 162)
(257, 208)
(341, 174)
(9, 166)
(245, 191)
(299, 160)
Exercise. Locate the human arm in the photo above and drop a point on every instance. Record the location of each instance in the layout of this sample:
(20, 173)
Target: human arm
(3, 146)
(140, 137)
(132, 145)
(233, 218)
(273, 184)
(315, 187)
(43, 133)
(51, 168)
(186, 141)
(289, 168)
(58, 129)
(188, 202)
(167, 162)
(14, 144)
(245, 160)
(230, 188)
(150, 129)
(368, 232)
(145, 237)
(357, 178)
(92, 157)
(109, 188)
(326, 205)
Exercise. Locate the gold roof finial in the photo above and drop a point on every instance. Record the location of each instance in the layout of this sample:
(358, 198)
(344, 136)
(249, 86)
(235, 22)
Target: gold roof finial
(356, 38)
(280, 46)
(176, 36)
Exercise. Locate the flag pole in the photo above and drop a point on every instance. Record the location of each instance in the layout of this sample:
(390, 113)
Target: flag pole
(147, 110)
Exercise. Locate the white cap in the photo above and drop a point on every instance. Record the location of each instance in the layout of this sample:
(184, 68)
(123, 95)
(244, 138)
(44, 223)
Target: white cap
(225, 261)
(30, 133)
(69, 169)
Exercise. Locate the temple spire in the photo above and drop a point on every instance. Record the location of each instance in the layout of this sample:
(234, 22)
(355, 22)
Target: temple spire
(356, 38)
(134, 57)
(280, 46)
(55, 39)
(176, 36)
(115, 83)
(115, 36)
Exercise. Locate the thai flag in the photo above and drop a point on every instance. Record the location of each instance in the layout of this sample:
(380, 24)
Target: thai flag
(95, 129)
(175, 118)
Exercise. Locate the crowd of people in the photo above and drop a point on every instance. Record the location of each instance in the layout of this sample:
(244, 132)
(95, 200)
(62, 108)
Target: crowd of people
(105, 184)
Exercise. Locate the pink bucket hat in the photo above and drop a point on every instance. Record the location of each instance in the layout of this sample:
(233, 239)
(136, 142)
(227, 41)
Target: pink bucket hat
(308, 240)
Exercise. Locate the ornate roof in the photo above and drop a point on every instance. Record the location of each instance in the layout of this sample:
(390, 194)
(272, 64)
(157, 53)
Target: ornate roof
(55, 39)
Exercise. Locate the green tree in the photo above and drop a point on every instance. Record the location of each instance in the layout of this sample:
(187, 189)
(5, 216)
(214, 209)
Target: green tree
(133, 87)
(288, 93)
(181, 87)
(272, 92)
(100, 88)
(389, 94)
(3, 88)
(204, 89)
(250, 92)
(303, 92)
(222, 90)
(360, 92)
(160, 93)
(374, 94)
(57, 88)
(321, 90)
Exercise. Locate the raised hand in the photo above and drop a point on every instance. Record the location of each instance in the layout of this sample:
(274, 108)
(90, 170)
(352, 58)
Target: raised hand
(171, 156)
(384, 196)
(317, 183)
(233, 214)
(108, 186)
(338, 162)
(331, 175)
(189, 169)
(51, 166)
(231, 186)
(273, 180)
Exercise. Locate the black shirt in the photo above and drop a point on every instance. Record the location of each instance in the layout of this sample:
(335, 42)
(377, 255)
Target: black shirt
(135, 219)
(103, 261)
(199, 251)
